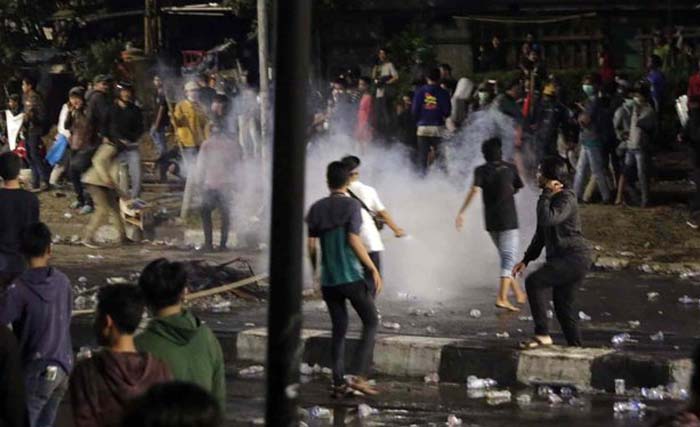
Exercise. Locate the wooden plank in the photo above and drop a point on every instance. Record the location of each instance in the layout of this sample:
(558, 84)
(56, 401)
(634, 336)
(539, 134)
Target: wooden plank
(201, 294)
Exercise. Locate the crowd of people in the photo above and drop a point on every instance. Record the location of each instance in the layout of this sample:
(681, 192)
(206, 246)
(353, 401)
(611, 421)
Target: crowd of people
(174, 353)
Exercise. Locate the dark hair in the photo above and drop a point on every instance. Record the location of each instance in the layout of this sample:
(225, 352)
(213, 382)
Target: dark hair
(366, 80)
(124, 304)
(446, 67)
(510, 84)
(491, 149)
(220, 98)
(351, 162)
(162, 283)
(15, 97)
(10, 164)
(337, 175)
(656, 61)
(30, 80)
(35, 240)
(173, 404)
(434, 74)
(340, 81)
(556, 168)
(385, 49)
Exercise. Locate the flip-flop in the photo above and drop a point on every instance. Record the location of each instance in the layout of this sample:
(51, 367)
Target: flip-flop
(363, 387)
(533, 343)
(509, 308)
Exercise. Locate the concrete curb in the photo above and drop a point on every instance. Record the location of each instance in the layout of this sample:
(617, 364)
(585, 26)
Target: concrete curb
(455, 359)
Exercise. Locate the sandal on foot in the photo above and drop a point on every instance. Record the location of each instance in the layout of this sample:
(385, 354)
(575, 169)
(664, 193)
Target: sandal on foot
(363, 386)
(508, 307)
(534, 343)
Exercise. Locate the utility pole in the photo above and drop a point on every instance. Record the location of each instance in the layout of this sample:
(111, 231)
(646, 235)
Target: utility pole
(292, 31)
(151, 23)
(263, 64)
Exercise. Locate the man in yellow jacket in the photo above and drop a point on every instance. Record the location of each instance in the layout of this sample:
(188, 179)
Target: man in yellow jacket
(190, 121)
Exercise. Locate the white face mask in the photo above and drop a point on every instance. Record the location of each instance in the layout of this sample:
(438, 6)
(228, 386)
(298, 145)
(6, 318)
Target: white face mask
(629, 102)
(192, 98)
(483, 97)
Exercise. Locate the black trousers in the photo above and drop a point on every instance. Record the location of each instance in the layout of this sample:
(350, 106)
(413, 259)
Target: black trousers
(212, 200)
(694, 202)
(79, 162)
(377, 260)
(361, 299)
(425, 143)
(40, 167)
(563, 276)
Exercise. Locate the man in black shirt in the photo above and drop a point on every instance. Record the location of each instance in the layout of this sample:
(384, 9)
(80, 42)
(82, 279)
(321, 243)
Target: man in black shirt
(125, 130)
(18, 208)
(13, 409)
(568, 255)
(160, 124)
(499, 182)
(99, 104)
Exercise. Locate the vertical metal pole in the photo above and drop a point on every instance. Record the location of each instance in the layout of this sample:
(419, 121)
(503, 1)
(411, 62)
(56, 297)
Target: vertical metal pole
(263, 52)
(292, 32)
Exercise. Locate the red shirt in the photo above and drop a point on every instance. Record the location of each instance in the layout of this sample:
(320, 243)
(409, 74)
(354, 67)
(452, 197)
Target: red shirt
(363, 129)
(694, 85)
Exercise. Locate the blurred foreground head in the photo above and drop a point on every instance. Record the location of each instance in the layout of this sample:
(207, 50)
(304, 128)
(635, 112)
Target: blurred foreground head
(173, 404)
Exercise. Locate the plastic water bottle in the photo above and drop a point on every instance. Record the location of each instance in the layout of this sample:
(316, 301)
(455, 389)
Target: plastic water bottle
(657, 337)
(319, 412)
(631, 406)
(475, 383)
(475, 313)
(620, 387)
(620, 339)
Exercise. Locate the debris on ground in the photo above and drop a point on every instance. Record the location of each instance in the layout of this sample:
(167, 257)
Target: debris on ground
(498, 397)
(251, 371)
(503, 335)
(620, 339)
(652, 296)
(475, 313)
(657, 337)
(364, 410)
(620, 388)
(634, 324)
(432, 378)
(452, 420)
(391, 325)
(476, 383)
(685, 299)
(583, 316)
(631, 406)
(320, 412)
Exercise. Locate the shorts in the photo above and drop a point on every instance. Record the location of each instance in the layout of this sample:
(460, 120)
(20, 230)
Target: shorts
(507, 244)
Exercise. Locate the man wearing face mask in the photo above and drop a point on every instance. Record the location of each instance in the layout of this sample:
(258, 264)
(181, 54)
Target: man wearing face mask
(482, 98)
(568, 255)
(592, 159)
(643, 123)
(103, 385)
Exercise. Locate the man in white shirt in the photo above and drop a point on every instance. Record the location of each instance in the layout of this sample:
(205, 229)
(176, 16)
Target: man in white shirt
(373, 211)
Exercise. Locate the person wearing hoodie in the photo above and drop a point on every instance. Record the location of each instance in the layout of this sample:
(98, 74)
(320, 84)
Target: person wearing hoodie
(18, 208)
(568, 255)
(104, 384)
(175, 335)
(38, 304)
(431, 106)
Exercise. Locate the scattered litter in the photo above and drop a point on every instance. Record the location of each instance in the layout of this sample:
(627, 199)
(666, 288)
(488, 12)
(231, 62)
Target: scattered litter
(392, 325)
(364, 410)
(82, 279)
(251, 370)
(627, 254)
(306, 369)
(685, 299)
(598, 248)
(84, 353)
(620, 388)
(221, 307)
(250, 325)
(677, 392)
(502, 335)
(90, 256)
(430, 330)
(56, 239)
(498, 397)
(634, 323)
(621, 339)
(430, 313)
(327, 371)
(524, 399)
(566, 392)
(117, 281)
(452, 420)
(475, 313)
(74, 239)
(652, 296)
(550, 314)
(657, 337)
(583, 316)
(554, 399)
(690, 275)
(647, 245)
(656, 393)
(67, 215)
(525, 318)
(646, 268)
(403, 295)
(432, 378)
(320, 412)
(544, 391)
(475, 383)
(416, 312)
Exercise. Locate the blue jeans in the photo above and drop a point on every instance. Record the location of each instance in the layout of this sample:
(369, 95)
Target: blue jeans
(638, 159)
(39, 165)
(507, 244)
(133, 160)
(161, 144)
(44, 394)
(592, 158)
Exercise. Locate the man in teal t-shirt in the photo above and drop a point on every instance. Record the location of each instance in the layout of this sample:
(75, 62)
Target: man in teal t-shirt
(335, 221)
